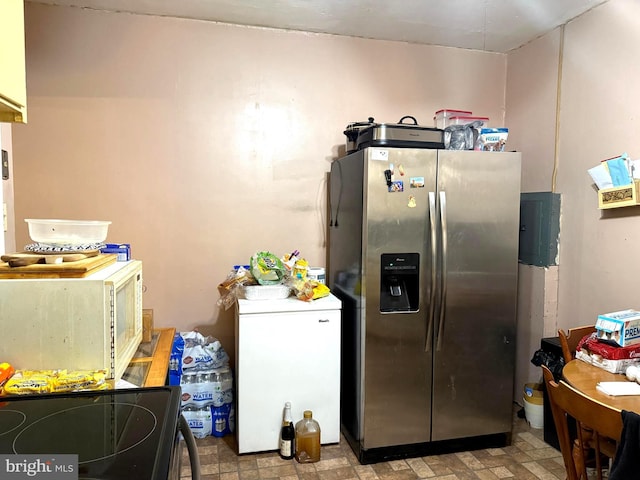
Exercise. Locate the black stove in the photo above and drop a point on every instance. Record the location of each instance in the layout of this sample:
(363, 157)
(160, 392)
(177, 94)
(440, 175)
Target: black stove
(117, 434)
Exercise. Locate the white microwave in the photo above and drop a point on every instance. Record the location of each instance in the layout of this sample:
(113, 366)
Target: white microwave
(91, 323)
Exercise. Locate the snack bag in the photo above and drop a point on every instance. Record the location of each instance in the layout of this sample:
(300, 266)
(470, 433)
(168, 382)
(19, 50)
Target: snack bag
(319, 290)
(303, 289)
(300, 269)
(238, 277)
(267, 269)
(23, 383)
(307, 290)
(55, 381)
(79, 380)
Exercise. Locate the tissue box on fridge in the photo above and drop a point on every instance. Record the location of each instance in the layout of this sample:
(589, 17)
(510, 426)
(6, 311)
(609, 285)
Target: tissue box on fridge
(620, 328)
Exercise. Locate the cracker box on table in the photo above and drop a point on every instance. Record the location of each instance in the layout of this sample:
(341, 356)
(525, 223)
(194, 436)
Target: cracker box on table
(606, 355)
(621, 328)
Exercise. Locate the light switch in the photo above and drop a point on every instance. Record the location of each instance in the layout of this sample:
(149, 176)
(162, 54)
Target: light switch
(5, 165)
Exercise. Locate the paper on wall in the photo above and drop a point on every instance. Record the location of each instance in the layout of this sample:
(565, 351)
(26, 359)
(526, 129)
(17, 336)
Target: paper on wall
(619, 171)
(601, 176)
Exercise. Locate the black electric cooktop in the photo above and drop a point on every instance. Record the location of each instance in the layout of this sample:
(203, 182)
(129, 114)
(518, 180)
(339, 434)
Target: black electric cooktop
(117, 434)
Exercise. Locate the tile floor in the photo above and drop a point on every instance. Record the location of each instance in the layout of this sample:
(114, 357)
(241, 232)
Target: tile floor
(529, 457)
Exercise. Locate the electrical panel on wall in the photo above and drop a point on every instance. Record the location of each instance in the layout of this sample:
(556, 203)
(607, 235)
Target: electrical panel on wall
(539, 228)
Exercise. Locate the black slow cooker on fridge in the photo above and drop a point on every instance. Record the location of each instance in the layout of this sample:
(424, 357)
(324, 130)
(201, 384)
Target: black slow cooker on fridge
(351, 132)
(401, 134)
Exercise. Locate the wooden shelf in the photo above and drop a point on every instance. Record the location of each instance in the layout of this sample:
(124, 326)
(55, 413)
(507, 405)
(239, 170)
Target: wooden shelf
(150, 364)
(625, 196)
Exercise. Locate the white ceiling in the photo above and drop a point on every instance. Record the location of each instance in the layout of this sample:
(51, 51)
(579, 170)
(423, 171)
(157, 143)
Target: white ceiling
(491, 25)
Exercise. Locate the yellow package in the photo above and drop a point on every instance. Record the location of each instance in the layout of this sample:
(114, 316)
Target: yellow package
(300, 269)
(20, 384)
(79, 380)
(310, 290)
(55, 381)
(320, 290)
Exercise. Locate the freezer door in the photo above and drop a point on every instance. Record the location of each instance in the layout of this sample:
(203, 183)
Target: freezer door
(474, 346)
(396, 373)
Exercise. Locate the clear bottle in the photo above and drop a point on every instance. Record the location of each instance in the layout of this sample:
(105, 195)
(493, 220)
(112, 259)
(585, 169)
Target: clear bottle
(307, 439)
(287, 434)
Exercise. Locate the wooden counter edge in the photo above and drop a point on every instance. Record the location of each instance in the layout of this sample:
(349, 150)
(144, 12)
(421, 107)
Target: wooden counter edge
(157, 374)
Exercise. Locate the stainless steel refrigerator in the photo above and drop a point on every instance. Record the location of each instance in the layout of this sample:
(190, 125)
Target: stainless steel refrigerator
(423, 253)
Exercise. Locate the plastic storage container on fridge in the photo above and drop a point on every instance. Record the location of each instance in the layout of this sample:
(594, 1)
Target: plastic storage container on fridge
(463, 120)
(441, 118)
(67, 232)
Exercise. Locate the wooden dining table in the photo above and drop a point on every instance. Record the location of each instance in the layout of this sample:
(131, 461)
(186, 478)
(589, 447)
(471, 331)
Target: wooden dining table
(584, 377)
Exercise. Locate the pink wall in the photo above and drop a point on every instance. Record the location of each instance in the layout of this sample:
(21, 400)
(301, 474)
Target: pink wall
(204, 143)
(532, 80)
(597, 102)
(531, 99)
(598, 120)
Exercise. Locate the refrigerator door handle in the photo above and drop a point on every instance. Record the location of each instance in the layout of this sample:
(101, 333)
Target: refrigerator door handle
(432, 299)
(443, 272)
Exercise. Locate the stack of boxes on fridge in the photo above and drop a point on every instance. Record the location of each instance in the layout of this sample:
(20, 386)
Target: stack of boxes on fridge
(201, 367)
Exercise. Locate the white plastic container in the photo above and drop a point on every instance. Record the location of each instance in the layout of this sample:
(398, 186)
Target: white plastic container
(533, 399)
(318, 274)
(463, 120)
(266, 292)
(441, 118)
(67, 232)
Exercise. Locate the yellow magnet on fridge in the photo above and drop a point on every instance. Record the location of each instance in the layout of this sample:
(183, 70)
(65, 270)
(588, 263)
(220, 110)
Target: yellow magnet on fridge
(412, 201)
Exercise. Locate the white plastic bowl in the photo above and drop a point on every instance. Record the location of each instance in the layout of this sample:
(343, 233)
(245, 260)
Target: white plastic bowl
(67, 232)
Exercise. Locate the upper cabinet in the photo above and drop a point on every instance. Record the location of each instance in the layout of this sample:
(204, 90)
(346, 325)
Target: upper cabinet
(13, 82)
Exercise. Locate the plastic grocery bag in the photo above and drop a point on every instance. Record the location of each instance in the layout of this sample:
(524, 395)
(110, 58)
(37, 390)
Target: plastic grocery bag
(553, 362)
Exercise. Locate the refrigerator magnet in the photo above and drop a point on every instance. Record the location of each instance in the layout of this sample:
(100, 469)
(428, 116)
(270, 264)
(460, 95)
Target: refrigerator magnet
(401, 170)
(397, 186)
(416, 182)
(412, 202)
(380, 154)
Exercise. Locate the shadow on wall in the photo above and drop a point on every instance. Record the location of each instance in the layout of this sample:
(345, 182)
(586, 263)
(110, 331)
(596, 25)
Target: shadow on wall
(224, 331)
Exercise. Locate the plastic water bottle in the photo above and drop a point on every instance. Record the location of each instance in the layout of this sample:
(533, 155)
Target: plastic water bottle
(307, 439)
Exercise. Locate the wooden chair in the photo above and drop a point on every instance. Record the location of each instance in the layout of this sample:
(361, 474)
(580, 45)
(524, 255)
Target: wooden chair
(569, 341)
(604, 425)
